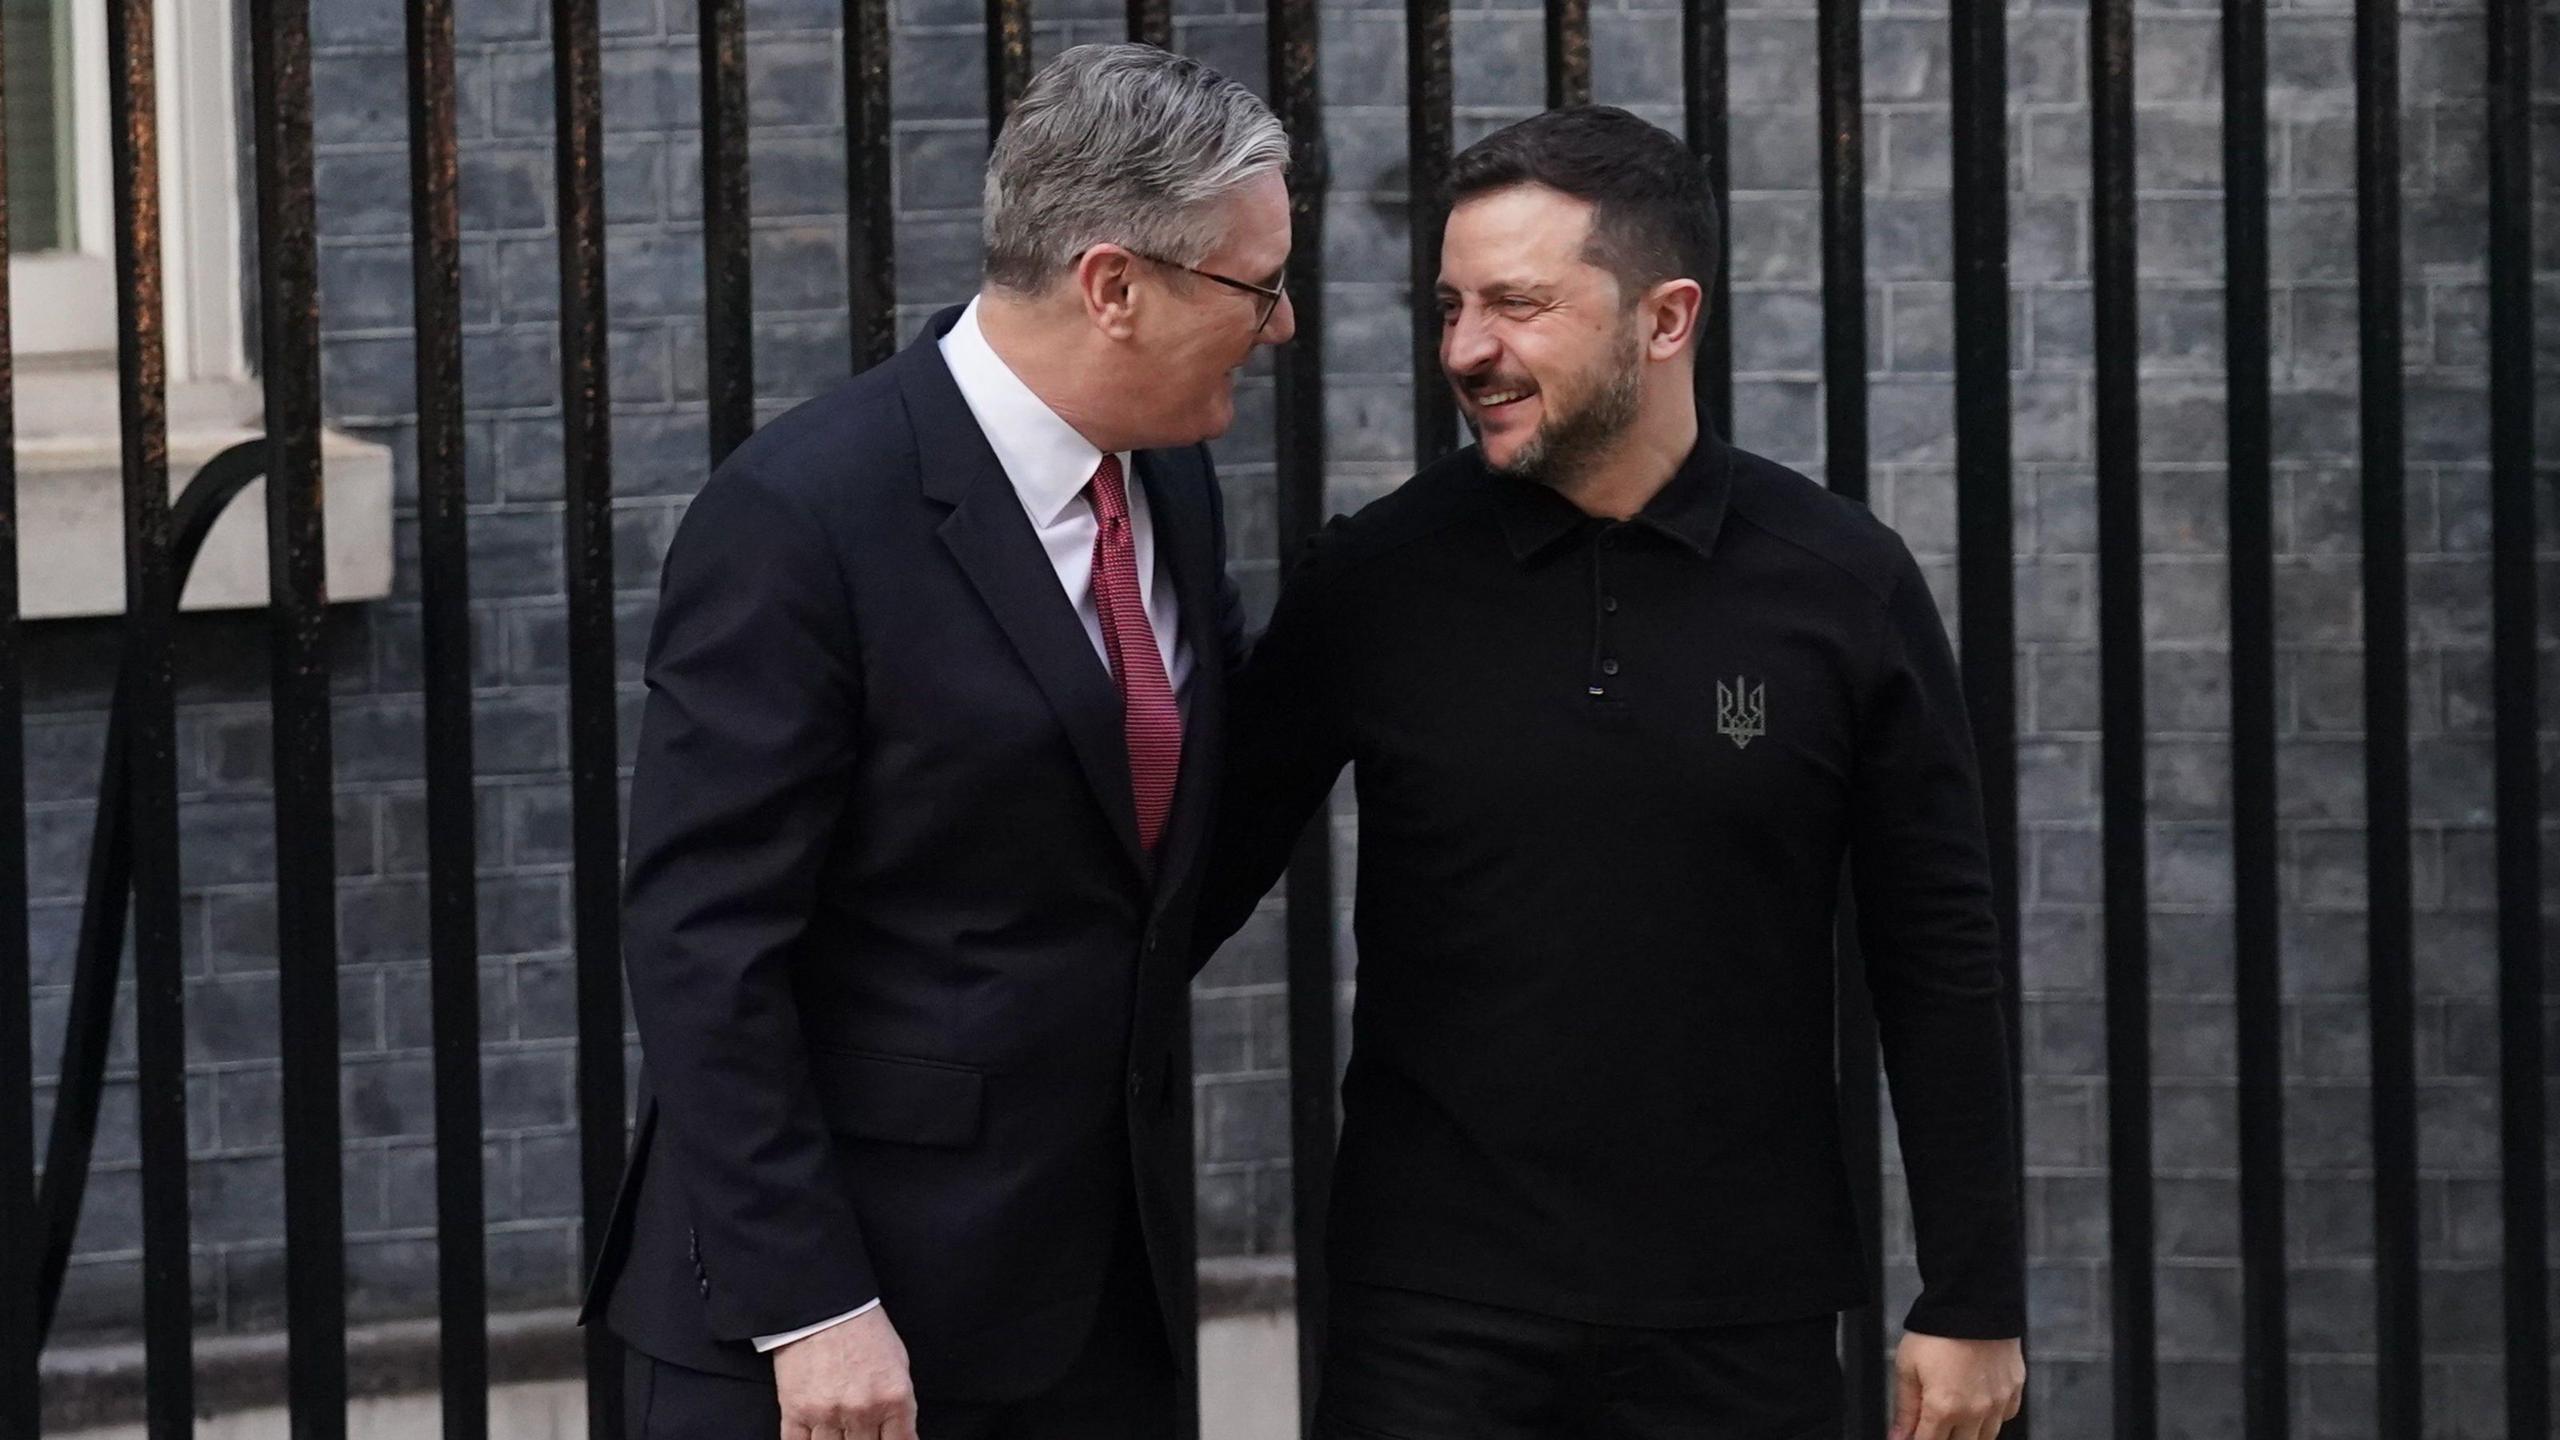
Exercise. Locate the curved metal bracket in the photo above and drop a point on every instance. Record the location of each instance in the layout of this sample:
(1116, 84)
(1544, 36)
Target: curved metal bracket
(99, 958)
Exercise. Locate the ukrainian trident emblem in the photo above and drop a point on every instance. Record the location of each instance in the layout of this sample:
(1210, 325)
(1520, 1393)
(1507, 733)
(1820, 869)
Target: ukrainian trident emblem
(1742, 710)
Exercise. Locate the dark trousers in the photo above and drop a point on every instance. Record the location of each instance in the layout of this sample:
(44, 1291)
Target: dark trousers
(1400, 1365)
(1121, 1386)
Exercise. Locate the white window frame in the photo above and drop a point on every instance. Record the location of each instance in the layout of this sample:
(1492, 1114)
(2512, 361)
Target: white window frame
(63, 303)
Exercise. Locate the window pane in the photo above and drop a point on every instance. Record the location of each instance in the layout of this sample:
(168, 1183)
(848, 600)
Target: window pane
(39, 115)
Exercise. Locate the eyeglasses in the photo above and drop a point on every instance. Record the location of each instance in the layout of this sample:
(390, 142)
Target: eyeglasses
(1270, 295)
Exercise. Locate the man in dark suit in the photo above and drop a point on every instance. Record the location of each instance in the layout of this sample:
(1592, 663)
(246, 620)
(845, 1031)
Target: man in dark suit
(923, 785)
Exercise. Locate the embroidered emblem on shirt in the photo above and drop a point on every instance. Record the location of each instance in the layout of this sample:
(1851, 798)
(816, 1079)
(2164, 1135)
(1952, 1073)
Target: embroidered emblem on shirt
(1742, 710)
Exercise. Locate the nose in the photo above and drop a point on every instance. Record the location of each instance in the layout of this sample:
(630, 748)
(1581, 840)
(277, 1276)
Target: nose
(1283, 323)
(1467, 344)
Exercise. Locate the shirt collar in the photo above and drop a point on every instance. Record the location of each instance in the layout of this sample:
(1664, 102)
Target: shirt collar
(1688, 510)
(1048, 462)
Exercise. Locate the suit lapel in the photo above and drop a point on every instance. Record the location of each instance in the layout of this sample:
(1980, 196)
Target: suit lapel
(993, 542)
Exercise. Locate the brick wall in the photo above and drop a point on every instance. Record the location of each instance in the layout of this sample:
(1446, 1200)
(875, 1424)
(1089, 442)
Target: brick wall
(656, 295)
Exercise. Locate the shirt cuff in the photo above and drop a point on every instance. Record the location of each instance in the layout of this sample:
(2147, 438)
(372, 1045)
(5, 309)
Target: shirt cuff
(768, 1343)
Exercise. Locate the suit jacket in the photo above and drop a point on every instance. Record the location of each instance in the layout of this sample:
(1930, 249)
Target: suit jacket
(910, 995)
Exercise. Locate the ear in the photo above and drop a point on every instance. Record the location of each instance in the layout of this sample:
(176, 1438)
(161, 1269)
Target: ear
(1668, 316)
(1101, 280)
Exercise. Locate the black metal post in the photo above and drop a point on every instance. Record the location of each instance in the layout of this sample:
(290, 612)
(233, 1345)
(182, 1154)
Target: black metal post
(1842, 161)
(444, 582)
(870, 208)
(1986, 543)
(1430, 125)
(1151, 23)
(2522, 1108)
(728, 274)
(297, 611)
(1703, 97)
(2398, 1380)
(1568, 53)
(1299, 456)
(2257, 971)
(1008, 59)
(150, 596)
(1986, 536)
(2121, 748)
(595, 796)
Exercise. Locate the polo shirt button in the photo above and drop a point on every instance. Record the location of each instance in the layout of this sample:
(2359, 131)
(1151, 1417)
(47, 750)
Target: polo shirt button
(1608, 667)
(1609, 603)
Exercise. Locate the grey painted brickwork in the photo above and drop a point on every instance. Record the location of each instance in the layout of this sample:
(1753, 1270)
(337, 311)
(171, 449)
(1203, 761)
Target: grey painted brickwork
(656, 292)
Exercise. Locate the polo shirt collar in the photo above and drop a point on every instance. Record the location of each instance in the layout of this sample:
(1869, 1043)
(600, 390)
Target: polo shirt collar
(1689, 510)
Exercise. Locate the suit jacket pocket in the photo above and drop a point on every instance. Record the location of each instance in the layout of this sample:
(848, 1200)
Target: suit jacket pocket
(892, 1097)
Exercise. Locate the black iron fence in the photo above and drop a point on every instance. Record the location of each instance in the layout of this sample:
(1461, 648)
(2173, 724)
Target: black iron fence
(134, 859)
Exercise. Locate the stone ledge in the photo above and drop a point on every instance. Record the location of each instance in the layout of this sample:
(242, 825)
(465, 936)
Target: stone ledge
(95, 1385)
(90, 1386)
(71, 501)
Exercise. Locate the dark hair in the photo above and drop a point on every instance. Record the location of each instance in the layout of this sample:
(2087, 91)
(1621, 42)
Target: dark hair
(1653, 218)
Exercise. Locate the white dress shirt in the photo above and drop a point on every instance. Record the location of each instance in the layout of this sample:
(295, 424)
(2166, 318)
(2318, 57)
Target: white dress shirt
(1050, 465)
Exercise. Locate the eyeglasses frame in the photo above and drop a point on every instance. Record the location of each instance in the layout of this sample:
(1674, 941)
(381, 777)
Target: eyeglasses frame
(1270, 295)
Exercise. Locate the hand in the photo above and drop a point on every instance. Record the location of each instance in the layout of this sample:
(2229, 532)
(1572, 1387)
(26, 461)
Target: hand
(1955, 1389)
(847, 1382)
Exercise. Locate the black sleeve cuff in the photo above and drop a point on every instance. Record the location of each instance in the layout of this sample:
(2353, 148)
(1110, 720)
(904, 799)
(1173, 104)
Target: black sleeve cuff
(1956, 1320)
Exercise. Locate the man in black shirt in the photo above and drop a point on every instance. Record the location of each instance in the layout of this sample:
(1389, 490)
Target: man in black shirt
(1620, 700)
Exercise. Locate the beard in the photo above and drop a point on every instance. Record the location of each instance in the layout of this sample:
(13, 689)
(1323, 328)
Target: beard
(1573, 437)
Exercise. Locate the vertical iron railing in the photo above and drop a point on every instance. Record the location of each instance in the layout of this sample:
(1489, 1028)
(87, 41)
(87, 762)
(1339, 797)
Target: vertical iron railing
(297, 614)
(1704, 125)
(444, 588)
(1840, 112)
(1986, 529)
(870, 202)
(149, 675)
(2257, 980)
(1568, 53)
(595, 795)
(1008, 59)
(2116, 341)
(1430, 129)
(20, 1337)
(728, 282)
(2515, 596)
(2389, 987)
(1298, 492)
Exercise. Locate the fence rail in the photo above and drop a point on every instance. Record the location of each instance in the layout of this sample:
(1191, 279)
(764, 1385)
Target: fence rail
(135, 852)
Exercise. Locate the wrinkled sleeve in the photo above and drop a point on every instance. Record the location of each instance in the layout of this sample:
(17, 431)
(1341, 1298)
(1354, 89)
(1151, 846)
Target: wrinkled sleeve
(1285, 745)
(739, 787)
(1921, 872)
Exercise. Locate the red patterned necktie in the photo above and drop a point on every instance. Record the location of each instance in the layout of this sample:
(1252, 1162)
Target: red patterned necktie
(1149, 718)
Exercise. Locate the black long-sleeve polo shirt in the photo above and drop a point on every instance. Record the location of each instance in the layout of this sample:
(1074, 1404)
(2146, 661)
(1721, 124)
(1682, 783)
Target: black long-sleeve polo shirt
(1608, 775)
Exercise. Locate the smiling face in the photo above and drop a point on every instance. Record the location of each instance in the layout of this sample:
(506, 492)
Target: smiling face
(1545, 355)
(1200, 333)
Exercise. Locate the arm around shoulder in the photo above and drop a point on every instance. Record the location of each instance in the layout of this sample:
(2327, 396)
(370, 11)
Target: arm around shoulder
(1286, 742)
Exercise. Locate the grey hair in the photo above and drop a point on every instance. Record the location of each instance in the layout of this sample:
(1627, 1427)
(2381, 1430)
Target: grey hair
(1120, 144)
